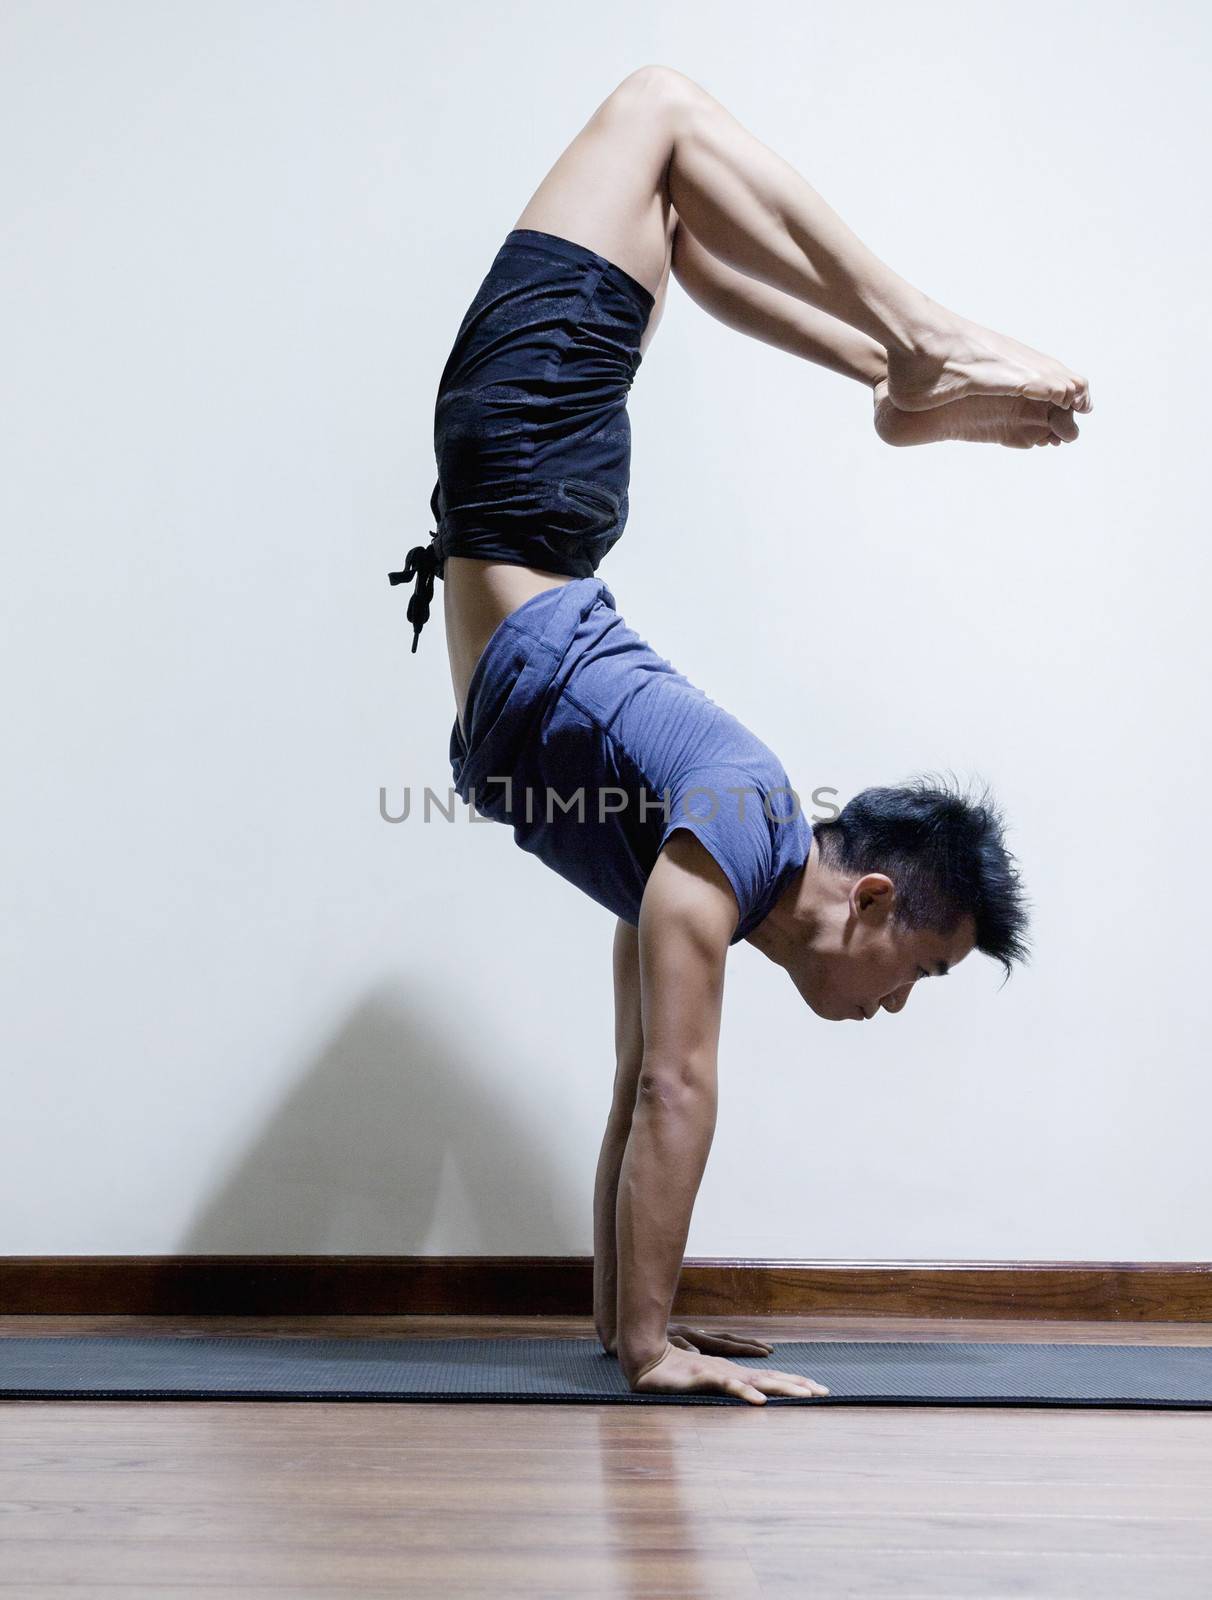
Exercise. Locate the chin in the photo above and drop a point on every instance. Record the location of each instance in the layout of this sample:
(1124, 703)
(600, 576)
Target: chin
(829, 1012)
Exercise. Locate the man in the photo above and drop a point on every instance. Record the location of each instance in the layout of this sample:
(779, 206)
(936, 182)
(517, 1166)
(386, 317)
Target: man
(609, 765)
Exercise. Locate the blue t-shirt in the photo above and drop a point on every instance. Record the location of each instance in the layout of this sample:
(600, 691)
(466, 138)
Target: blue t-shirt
(607, 750)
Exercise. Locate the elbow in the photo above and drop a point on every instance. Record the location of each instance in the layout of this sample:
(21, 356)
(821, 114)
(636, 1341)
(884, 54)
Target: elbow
(680, 1084)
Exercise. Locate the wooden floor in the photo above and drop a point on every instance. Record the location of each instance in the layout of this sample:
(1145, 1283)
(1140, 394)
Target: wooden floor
(328, 1501)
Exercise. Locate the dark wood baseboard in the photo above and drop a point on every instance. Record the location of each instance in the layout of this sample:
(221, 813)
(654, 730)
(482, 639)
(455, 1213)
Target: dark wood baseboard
(1132, 1291)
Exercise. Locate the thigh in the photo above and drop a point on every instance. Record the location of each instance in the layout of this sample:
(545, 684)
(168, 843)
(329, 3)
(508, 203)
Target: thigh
(608, 189)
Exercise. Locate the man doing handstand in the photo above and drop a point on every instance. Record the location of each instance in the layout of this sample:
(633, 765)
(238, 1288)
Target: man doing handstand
(608, 764)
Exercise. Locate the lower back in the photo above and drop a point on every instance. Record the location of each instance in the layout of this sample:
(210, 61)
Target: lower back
(477, 597)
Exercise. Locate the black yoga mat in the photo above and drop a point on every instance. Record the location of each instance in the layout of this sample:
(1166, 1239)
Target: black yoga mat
(205, 1367)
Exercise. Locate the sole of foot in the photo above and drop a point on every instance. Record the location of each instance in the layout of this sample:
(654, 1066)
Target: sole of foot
(1016, 423)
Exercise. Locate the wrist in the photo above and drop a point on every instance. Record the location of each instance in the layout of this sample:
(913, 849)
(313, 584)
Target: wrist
(637, 1360)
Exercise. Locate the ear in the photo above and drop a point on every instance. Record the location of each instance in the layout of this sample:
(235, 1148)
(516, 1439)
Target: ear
(872, 897)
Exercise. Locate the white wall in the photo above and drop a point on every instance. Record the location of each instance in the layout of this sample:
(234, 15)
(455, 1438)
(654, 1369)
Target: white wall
(242, 1013)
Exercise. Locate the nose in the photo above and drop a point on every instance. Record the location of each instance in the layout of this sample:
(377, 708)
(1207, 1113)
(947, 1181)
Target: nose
(898, 999)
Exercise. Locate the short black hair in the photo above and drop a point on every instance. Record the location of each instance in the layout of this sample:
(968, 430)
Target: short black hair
(945, 853)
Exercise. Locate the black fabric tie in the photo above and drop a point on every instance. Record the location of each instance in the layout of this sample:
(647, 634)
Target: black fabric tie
(421, 563)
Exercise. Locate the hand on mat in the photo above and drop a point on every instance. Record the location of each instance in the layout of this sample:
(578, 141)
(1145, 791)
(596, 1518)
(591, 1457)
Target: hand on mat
(683, 1371)
(705, 1343)
(717, 1343)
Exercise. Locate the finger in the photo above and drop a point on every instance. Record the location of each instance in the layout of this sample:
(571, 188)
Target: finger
(1062, 422)
(745, 1391)
(811, 1386)
(684, 1344)
(738, 1343)
(722, 1343)
(797, 1383)
(795, 1389)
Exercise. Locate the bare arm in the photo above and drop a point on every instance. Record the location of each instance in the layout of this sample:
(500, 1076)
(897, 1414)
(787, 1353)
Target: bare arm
(773, 316)
(629, 1059)
(687, 917)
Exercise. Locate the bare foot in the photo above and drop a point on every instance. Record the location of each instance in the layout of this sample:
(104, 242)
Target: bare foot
(982, 419)
(957, 359)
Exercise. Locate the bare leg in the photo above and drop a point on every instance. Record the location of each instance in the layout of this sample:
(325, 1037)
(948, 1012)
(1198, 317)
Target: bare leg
(660, 141)
(776, 318)
(771, 315)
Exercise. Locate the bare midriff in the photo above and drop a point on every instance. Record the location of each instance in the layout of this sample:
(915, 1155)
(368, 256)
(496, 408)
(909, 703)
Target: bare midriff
(477, 596)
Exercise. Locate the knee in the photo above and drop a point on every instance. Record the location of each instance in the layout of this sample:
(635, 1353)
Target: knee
(662, 83)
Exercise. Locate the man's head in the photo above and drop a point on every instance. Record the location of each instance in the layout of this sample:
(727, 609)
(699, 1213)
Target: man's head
(902, 884)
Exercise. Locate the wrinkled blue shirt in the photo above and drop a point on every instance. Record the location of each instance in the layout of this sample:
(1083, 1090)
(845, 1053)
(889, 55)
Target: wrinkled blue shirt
(595, 749)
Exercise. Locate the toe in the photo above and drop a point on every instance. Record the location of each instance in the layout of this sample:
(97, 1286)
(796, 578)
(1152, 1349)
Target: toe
(1062, 423)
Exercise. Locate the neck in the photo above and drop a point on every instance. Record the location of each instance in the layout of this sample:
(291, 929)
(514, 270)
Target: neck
(789, 927)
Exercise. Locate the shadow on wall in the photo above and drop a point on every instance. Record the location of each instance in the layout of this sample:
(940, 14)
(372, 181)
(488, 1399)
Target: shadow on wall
(398, 1124)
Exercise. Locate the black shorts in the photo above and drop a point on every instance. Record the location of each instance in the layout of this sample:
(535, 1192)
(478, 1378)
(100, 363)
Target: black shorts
(531, 433)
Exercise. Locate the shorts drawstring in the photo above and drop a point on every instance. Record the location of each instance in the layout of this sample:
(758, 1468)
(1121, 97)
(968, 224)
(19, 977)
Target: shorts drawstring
(421, 563)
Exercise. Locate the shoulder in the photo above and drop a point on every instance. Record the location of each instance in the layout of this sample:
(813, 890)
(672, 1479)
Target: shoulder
(690, 899)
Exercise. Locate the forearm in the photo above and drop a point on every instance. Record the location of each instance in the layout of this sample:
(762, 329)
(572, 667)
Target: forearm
(663, 1165)
(773, 316)
(605, 1249)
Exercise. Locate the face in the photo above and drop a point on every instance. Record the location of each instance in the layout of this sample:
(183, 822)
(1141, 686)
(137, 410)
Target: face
(862, 961)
